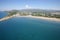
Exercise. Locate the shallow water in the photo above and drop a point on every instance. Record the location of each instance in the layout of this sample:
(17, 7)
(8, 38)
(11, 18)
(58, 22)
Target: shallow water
(22, 28)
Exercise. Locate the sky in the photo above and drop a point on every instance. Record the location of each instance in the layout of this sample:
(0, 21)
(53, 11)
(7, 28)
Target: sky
(29, 4)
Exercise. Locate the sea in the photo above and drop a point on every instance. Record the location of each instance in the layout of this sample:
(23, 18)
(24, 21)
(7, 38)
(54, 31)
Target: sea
(3, 14)
(27, 28)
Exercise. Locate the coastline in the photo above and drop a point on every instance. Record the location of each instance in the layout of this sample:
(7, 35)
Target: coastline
(44, 18)
(6, 18)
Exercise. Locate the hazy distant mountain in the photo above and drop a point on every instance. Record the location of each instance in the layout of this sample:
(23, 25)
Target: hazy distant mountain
(32, 10)
(35, 10)
(38, 10)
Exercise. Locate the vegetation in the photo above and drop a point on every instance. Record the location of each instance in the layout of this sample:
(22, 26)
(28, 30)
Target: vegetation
(10, 13)
(52, 14)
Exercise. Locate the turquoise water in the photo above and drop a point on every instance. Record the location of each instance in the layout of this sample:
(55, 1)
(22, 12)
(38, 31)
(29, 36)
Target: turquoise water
(21, 28)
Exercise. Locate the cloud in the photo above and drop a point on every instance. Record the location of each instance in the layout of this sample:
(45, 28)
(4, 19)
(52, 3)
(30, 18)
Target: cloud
(28, 7)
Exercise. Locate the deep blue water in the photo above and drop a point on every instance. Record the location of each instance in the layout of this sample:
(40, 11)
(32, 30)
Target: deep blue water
(21, 28)
(3, 14)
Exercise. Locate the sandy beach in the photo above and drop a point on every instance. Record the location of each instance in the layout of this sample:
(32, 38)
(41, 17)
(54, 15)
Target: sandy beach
(45, 18)
(6, 18)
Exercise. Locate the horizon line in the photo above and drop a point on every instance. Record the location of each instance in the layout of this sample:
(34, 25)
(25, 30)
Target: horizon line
(28, 8)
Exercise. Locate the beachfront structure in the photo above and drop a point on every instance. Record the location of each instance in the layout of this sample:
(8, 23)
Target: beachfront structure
(57, 14)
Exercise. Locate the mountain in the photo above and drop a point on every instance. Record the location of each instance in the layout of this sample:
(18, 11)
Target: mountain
(38, 10)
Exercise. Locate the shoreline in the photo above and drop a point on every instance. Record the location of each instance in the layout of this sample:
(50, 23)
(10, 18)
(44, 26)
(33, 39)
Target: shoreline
(44, 18)
(6, 18)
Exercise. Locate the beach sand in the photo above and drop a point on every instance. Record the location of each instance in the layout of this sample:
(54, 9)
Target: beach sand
(6, 18)
(39, 17)
(44, 18)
